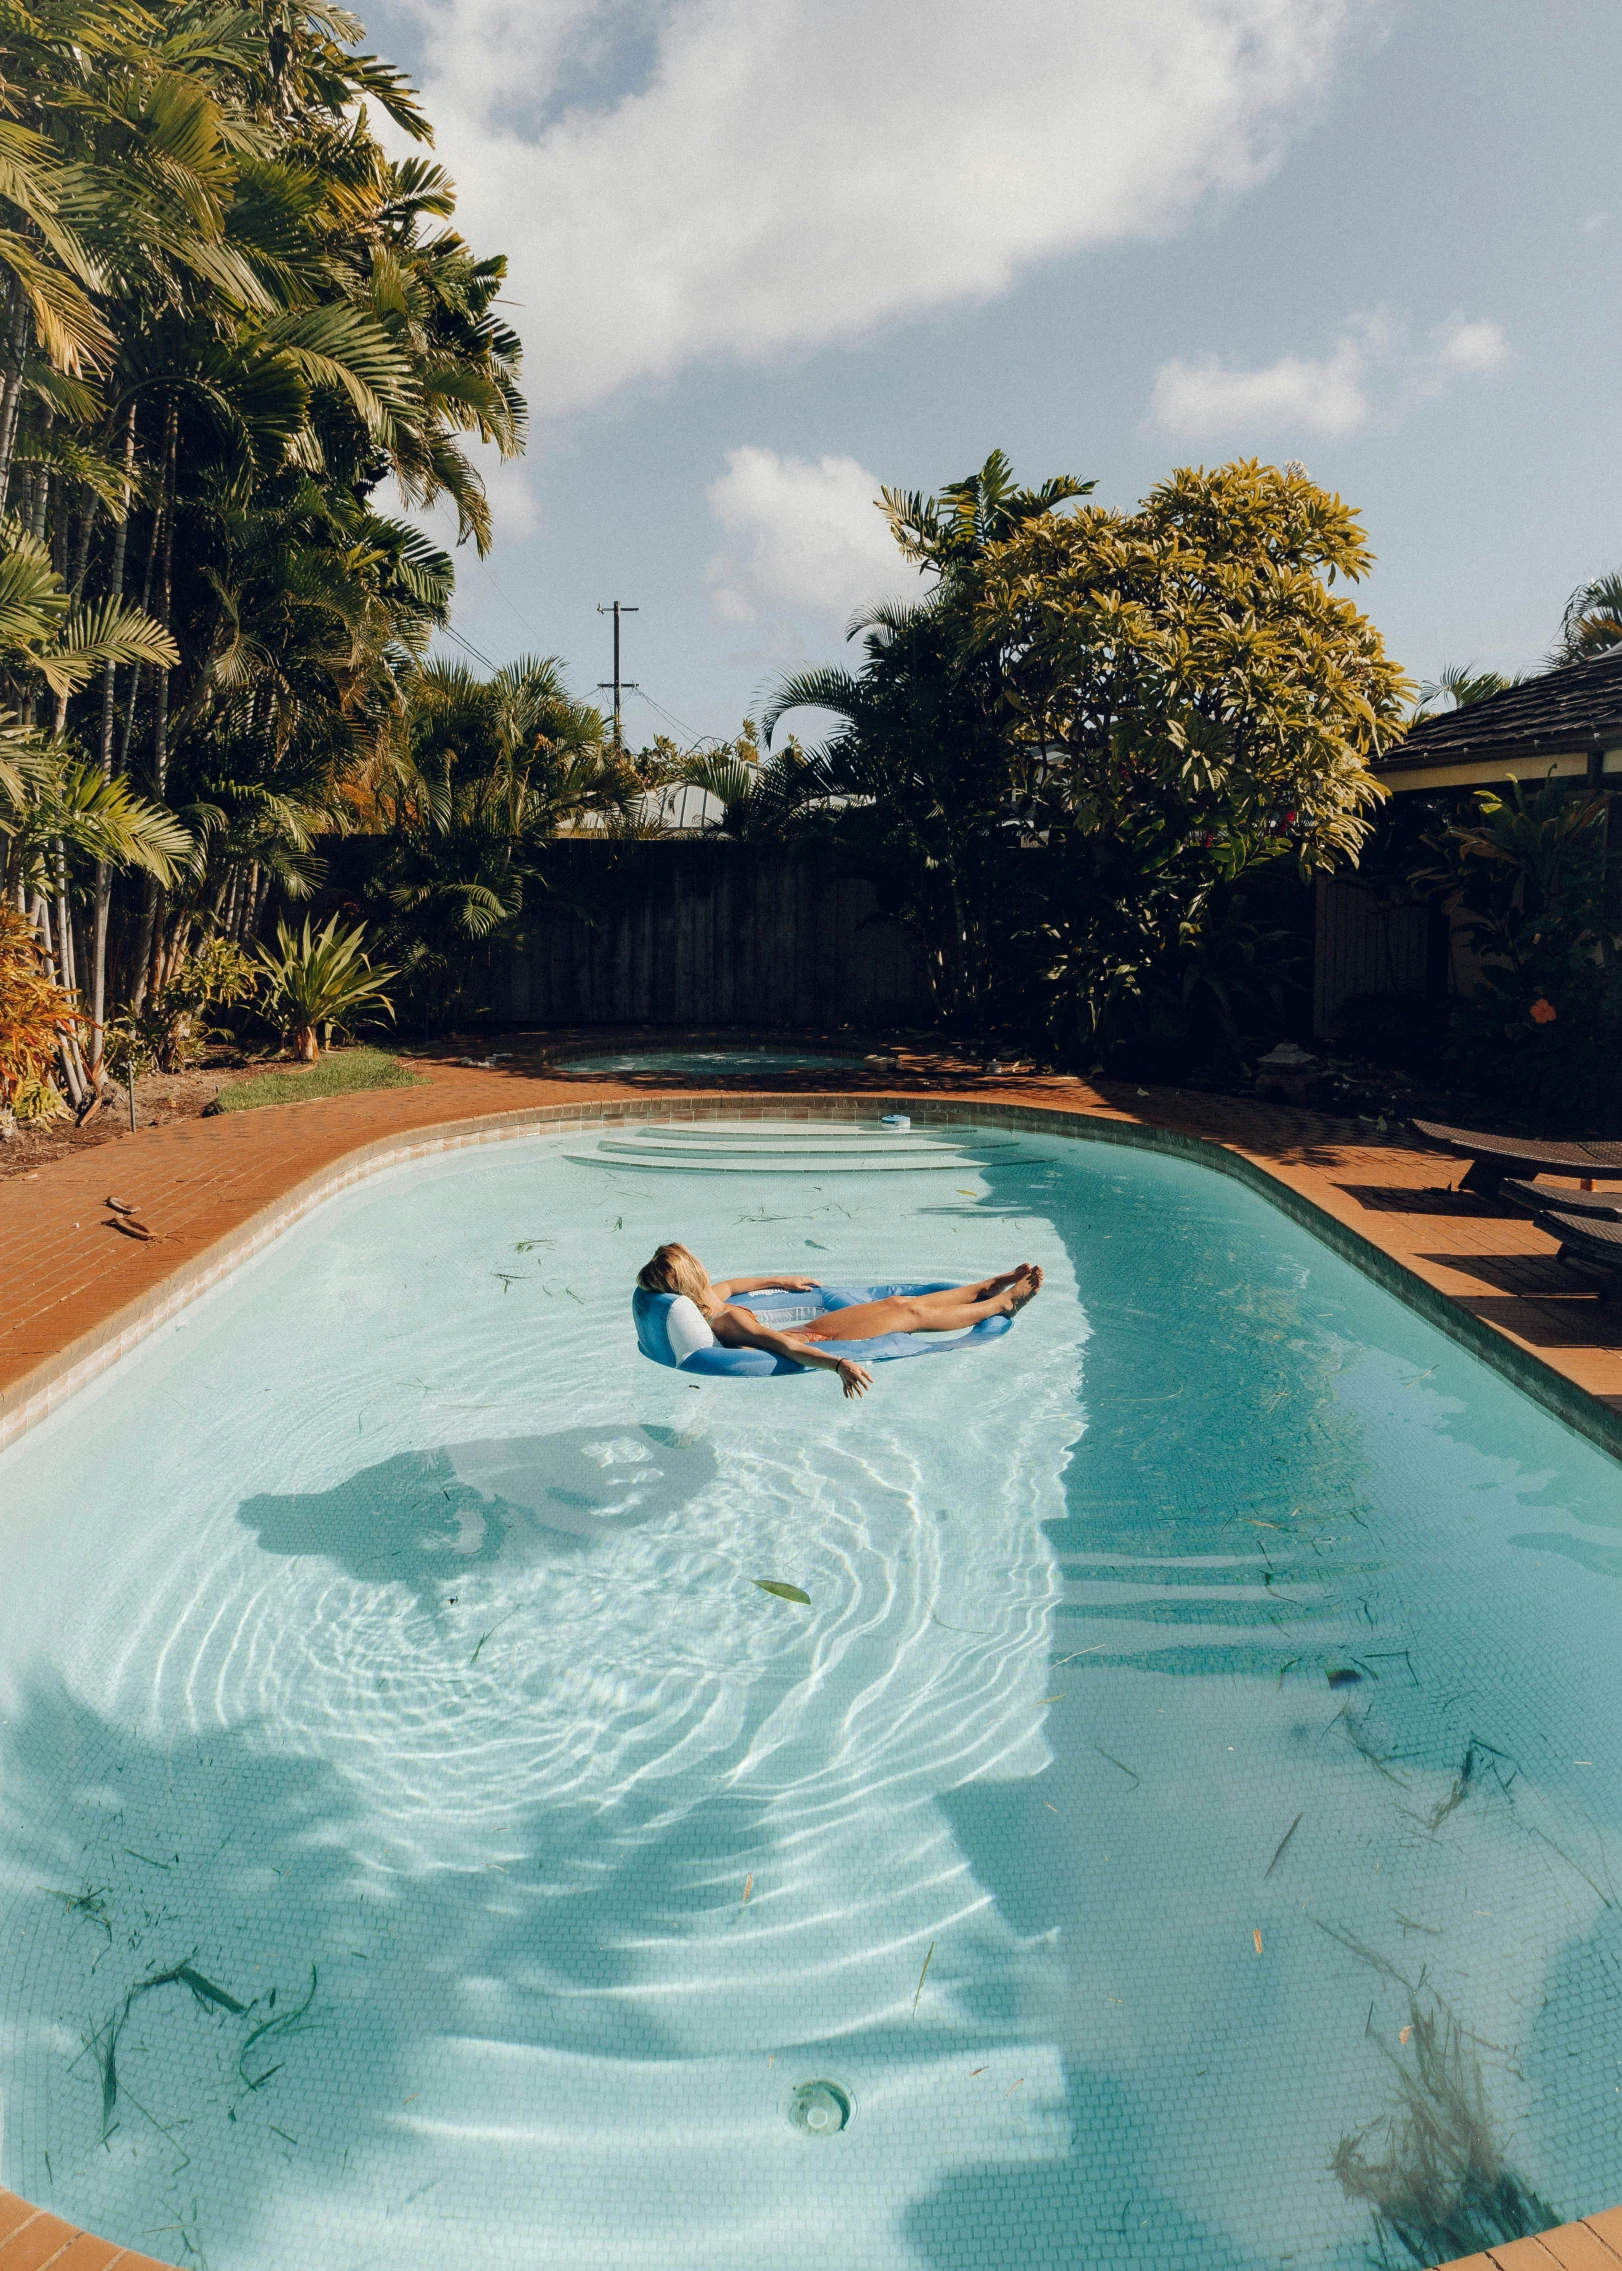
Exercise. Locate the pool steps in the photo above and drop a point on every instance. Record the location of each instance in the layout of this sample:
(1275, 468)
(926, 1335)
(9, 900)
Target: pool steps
(781, 1148)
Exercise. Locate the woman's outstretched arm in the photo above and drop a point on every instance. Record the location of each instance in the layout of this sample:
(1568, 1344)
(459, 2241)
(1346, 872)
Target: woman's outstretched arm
(731, 1285)
(732, 1332)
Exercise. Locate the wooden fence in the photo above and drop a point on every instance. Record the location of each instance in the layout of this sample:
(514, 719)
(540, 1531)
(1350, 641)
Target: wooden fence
(1371, 942)
(693, 933)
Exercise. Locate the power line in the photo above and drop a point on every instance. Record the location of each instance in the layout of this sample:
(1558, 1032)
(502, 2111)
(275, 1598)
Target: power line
(680, 724)
(468, 647)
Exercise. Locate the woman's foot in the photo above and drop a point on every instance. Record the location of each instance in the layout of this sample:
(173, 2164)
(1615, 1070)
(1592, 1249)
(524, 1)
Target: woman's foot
(995, 1285)
(1027, 1285)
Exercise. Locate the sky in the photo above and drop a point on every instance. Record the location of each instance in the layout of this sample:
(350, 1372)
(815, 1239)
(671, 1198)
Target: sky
(766, 255)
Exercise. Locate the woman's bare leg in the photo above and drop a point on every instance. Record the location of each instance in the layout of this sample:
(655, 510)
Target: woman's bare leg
(920, 1313)
(953, 1296)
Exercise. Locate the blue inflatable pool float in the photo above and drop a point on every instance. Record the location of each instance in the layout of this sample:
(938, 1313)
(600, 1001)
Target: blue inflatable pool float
(684, 1341)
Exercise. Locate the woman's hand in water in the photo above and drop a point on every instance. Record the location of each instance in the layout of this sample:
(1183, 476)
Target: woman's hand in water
(798, 1284)
(854, 1378)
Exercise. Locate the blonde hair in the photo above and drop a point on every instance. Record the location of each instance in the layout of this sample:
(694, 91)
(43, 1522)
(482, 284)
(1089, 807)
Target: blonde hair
(672, 1270)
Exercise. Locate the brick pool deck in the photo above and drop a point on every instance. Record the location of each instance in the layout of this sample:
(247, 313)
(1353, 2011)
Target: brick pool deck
(78, 1290)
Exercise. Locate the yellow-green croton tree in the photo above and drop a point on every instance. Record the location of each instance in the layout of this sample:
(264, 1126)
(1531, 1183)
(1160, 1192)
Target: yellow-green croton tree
(1190, 695)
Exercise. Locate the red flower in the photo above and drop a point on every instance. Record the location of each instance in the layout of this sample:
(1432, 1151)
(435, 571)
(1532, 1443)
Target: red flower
(1543, 1012)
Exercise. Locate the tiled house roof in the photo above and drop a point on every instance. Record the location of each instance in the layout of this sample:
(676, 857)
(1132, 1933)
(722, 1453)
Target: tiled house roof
(1575, 711)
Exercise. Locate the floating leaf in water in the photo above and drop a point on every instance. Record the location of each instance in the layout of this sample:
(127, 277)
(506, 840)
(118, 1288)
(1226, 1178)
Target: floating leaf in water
(92, 1904)
(1256, 1935)
(1282, 1843)
(922, 1976)
(286, 2024)
(106, 2060)
(183, 1975)
(1431, 2169)
(783, 1592)
(1455, 1797)
(1341, 1676)
(748, 1887)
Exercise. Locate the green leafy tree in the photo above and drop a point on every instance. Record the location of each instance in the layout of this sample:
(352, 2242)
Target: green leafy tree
(1191, 698)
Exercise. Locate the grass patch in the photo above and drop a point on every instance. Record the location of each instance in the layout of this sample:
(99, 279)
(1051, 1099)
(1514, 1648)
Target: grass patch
(338, 1072)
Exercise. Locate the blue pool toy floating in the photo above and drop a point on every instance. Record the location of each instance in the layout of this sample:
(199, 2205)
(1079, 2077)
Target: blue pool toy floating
(672, 1329)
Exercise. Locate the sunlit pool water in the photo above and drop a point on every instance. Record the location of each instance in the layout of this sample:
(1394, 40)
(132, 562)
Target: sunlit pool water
(422, 1840)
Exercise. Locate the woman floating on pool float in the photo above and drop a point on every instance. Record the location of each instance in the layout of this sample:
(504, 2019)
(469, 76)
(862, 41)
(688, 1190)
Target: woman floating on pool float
(697, 1317)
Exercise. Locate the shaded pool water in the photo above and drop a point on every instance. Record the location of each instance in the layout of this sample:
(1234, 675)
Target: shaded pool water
(422, 1839)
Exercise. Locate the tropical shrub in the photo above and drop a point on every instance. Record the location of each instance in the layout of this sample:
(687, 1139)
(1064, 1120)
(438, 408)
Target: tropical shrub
(325, 980)
(170, 1032)
(35, 1014)
(1527, 877)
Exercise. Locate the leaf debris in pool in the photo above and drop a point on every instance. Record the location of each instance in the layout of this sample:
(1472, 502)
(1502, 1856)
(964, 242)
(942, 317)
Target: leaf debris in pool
(775, 1585)
(1283, 1842)
(922, 1976)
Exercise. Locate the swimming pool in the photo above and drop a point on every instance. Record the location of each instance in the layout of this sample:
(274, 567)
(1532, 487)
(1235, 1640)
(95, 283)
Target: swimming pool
(384, 1656)
(704, 1063)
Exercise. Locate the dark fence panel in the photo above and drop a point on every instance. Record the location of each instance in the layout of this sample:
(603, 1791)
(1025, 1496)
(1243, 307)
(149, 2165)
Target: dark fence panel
(1368, 942)
(706, 934)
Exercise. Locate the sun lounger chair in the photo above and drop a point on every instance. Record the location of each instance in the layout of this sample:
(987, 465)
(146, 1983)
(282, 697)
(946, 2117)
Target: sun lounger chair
(1588, 1239)
(1494, 1157)
(1537, 1198)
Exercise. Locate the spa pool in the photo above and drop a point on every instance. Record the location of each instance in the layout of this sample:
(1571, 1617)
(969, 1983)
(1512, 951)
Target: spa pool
(423, 1841)
(705, 1064)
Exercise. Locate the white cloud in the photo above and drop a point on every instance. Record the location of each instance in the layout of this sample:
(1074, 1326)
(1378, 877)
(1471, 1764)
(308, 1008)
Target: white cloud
(1374, 375)
(1472, 347)
(1201, 399)
(799, 172)
(802, 538)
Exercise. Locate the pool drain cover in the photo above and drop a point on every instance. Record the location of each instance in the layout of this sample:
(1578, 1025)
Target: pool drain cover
(821, 2109)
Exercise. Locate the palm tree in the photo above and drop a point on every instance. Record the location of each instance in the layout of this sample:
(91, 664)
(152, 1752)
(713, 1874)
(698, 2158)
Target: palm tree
(926, 759)
(226, 317)
(1592, 623)
(1460, 687)
(488, 774)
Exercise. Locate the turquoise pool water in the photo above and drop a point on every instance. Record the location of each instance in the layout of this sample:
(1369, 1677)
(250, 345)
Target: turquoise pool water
(700, 1062)
(382, 1656)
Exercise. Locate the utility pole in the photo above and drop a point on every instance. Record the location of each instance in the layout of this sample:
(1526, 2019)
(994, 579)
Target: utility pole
(619, 685)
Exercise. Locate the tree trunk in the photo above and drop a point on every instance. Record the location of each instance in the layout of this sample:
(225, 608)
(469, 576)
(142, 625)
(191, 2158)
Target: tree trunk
(109, 707)
(11, 394)
(160, 692)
